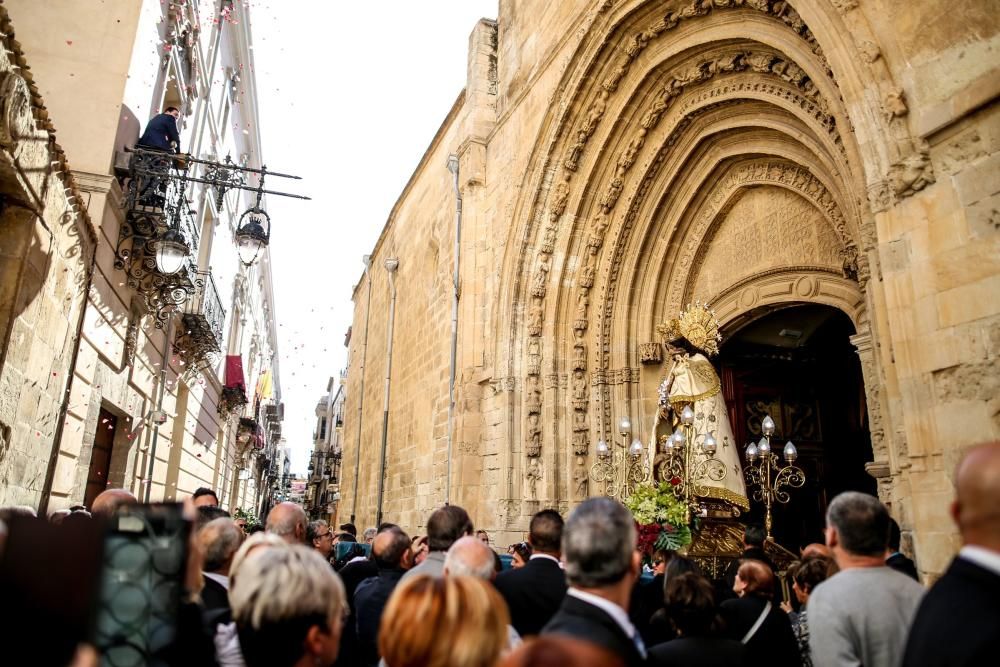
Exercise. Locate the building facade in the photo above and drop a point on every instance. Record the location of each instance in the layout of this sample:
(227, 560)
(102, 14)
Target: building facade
(323, 490)
(174, 382)
(823, 174)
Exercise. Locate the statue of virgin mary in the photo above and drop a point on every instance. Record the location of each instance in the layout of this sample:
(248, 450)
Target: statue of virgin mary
(691, 392)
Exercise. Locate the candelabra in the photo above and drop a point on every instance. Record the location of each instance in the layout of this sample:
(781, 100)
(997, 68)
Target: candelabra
(764, 472)
(621, 470)
(682, 467)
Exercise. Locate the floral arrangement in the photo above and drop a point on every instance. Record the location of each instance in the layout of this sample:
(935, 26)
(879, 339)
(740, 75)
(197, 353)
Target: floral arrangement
(246, 515)
(661, 518)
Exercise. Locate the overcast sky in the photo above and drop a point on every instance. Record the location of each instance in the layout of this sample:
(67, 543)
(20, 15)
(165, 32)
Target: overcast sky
(351, 94)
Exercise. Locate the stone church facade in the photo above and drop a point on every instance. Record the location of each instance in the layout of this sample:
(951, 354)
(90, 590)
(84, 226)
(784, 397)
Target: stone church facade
(619, 159)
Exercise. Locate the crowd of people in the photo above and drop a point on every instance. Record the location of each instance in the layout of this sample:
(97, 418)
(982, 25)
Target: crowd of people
(298, 592)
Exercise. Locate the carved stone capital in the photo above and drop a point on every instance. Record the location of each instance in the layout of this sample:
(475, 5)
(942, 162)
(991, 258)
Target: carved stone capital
(650, 353)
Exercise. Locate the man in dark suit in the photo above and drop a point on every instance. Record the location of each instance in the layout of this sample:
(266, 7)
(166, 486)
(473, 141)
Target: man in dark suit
(602, 564)
(535, 591)
(389, 550)
(753, 549)
(957, 621)
(161, 132)
(219, 539)
(896, 559)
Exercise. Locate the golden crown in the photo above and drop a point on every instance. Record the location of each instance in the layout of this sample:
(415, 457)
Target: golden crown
(697, 325)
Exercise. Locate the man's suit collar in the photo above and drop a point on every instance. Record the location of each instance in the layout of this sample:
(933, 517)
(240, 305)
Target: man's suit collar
(984, 558)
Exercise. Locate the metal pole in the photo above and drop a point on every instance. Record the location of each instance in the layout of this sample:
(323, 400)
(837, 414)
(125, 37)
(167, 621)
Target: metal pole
(159, 407)
(361, 389)
(453, 168)
(391, 265)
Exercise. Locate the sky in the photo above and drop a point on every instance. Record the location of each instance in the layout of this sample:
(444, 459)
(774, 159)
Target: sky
(350, 96)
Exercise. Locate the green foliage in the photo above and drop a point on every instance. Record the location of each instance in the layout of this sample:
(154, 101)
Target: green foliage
(246, 515)
(656, 504)
(661, 516)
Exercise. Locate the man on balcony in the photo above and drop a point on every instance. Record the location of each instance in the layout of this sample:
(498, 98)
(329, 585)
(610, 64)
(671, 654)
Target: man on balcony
(161, 132)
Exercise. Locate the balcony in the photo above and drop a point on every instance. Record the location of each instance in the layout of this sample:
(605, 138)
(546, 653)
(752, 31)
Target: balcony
(199, 338)
(158, 218)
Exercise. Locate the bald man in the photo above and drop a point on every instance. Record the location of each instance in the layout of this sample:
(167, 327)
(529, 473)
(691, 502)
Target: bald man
(958, 621)
(288, 521)
(390, 551)
(470, 557)
(108, 502)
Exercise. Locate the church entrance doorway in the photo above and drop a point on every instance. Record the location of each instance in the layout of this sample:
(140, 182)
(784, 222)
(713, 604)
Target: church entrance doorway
(796, 363)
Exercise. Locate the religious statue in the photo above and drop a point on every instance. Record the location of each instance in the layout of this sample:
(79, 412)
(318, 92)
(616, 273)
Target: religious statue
(533, 474)
(691, 381)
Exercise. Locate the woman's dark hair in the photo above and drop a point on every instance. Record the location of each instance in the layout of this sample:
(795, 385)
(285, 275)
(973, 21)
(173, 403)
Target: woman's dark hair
(679, 565)
(522, 549)
(279, 643)
(690, 604)
(811, 572)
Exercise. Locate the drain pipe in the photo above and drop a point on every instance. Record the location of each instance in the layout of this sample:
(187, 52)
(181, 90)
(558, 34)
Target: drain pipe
(453, 168)
(367, 259)
(391, 265)
(159, 408)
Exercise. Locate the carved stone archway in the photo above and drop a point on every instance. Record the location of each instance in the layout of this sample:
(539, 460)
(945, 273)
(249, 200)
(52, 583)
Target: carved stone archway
(653, 142)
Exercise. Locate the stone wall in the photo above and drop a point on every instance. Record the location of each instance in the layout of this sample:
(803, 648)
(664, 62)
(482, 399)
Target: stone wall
(46, 253)
(619, 159)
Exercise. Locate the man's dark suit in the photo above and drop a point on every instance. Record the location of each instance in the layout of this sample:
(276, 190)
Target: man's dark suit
(160, 131)
(958, 620)
(698, 652)
(901, 563)
(586, 622)
(369, 603)
(353, 574)
(533, 594)
(773, 643)
(213, 595)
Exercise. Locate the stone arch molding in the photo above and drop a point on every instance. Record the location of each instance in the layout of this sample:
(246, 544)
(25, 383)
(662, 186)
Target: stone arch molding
(574, 188)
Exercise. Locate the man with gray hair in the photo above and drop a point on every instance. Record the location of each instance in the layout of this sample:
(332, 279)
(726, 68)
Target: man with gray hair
(288, 521)
(320, 537)
(861, 615)
(602, 565)
(219, 539)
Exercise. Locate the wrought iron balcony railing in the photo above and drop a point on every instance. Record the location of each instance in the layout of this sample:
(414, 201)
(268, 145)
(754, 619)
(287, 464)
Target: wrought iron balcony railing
(200, 335)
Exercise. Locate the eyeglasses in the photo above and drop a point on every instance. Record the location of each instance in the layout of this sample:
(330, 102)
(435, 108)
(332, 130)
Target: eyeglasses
(326, 534)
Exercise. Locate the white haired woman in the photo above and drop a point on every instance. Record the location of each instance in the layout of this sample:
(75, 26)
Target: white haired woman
(288, 606)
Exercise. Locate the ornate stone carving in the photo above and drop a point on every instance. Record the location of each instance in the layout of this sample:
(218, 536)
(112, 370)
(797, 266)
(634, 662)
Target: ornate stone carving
(869, 51)
(531, 476)
(894, 104)
(533, 395)
(911, 174)
(581, 478)
(650, 353)
(16, 121)
(535, 317)
(844, 6)
(541, 275)
(533, 441)
(879, 196)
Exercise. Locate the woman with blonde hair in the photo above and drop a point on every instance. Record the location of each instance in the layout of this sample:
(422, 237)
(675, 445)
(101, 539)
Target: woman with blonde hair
(289, 608)
(443, 622)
